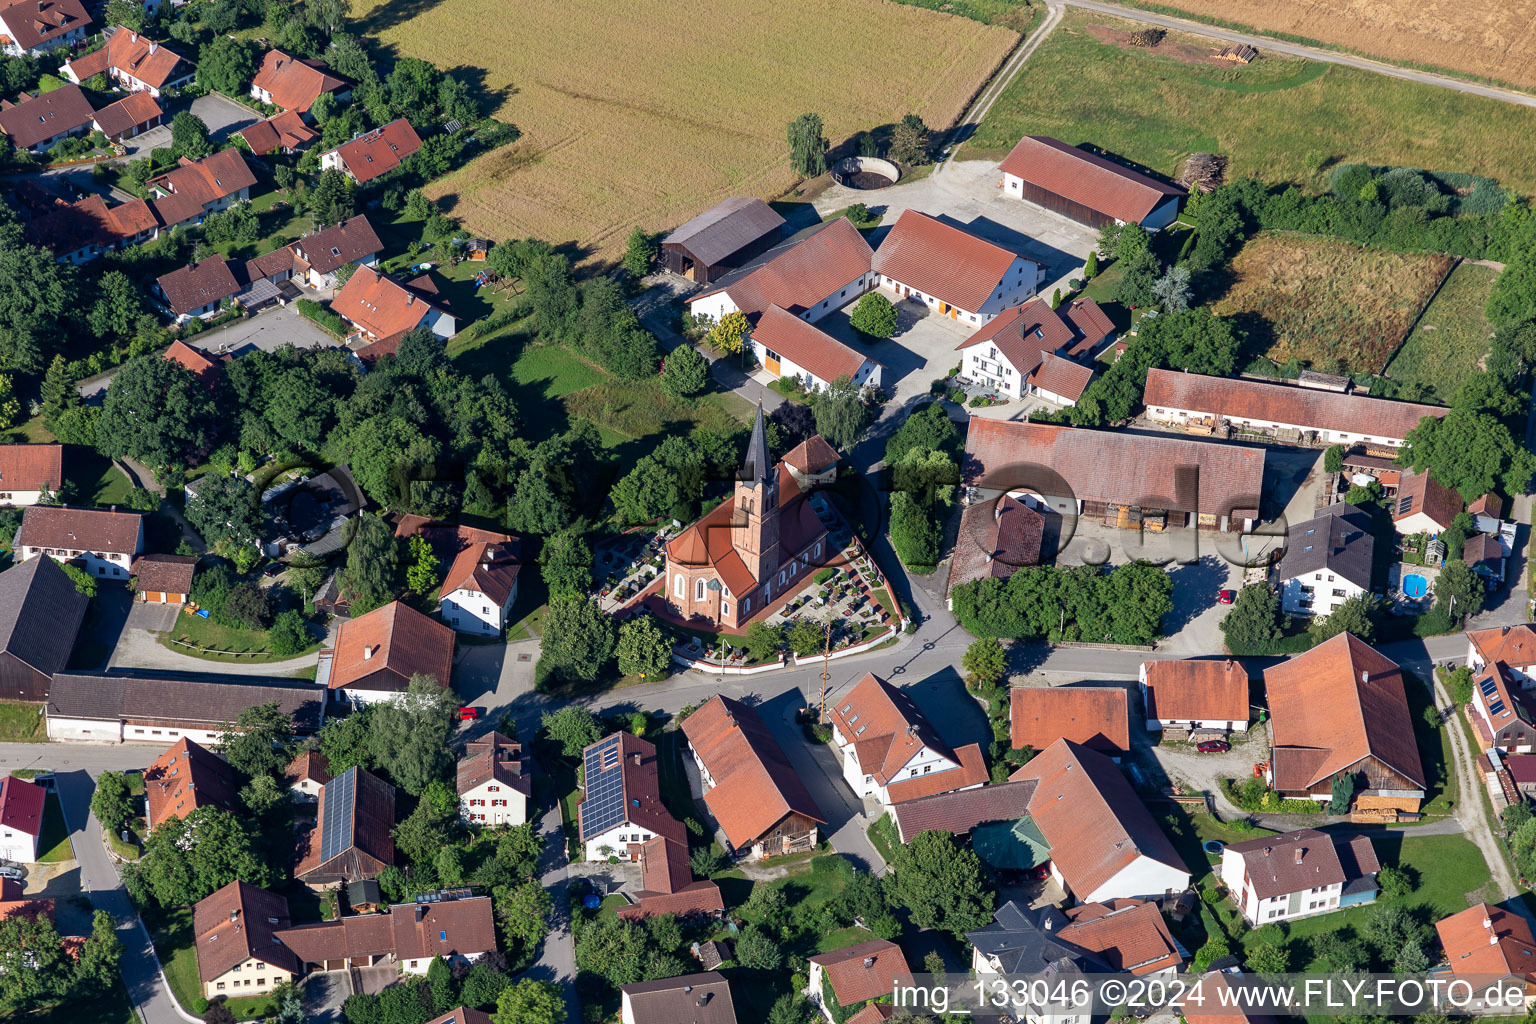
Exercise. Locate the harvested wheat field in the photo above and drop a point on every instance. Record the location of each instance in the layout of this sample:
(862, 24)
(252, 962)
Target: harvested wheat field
(1489, 40)
(1330, 304)
(645, 112)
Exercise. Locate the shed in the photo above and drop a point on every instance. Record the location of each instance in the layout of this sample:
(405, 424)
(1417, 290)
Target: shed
(1085, 186)
(165, 579)
(722, 238)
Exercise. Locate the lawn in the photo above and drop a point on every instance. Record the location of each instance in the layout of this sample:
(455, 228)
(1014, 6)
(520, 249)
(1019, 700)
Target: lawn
(110, 1007)
(884, 837)
(1282, 119)
(53, 845)
(96, 480)
(171, 932)
(645, 119)
(247, 646)
(1451, 338)
(1337, 306)
(21, 722)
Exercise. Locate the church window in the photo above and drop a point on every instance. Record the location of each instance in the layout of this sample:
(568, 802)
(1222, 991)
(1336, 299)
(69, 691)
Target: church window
(698, 590)
(677, 586)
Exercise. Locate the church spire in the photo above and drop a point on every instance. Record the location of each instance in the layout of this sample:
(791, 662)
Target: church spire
(757, 467)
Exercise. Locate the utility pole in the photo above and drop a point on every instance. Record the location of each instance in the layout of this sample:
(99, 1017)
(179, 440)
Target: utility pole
(826, 659)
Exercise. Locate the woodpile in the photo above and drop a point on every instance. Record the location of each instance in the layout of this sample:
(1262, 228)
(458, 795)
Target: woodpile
(1204, 171)
(1147, 37)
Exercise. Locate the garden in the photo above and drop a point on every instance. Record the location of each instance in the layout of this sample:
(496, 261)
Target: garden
(1449, 343)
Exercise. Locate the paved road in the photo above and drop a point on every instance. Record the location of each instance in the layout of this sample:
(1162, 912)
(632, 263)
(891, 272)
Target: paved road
(557, 958)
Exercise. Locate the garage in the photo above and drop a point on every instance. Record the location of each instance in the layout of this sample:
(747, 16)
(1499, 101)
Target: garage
(164, 579)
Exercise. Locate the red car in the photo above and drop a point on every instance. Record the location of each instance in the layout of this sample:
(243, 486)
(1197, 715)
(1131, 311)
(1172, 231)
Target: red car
(468, 714)
(1214, 747)
(1226, 596)
(1040, 872)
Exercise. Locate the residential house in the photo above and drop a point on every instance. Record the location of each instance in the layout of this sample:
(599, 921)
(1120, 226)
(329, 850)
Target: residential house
(22, 803)
(306, 776)
(1340, 710)
(694, 998)
(621, 806)
(375, 655)
(996, 539)
(195, 188)
(1423, 505)
(1486, 555)
(1200, 695)
(962, 810)
(891, 752)
(721, 238)
(1503, 664)
(1102, 841)
(1287, 412)
(374, 153)
(811, 275)
(40, 617)
(1511, 647)
(1522, 772)
(1299, 874)
(493, 787)
(381, 310)
(1490, 947)
(293, 83)
(667, 885)
(462, 1015)
(194, 361)
(787, 346)
(451, 924)
(27, 471)
(968, 279)
(133, 63)
(1085, 186)
(199, 291)
(856, 974)
(750, 553)
(762, 806)
(132, 115)
(30, 28)
(322, 255)
(34, 124)
(480, 586)
(234, 932)
(119, 708)
(1096, 717)
(103, 543)
(352, 834)
(1034, 350)
(80, 231)
(188, 776)
(1127, 480)
(164, 579)
(1327, 561)
(14, 902)
(283, 132)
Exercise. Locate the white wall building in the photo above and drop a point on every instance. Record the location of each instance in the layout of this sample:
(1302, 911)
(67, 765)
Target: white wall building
(22, 804)
(103, 543)
(1195, 694)
(809, 278)
(492, 786)
(787, 346)
(1328, 560)
(1298, 874)
(951, 271)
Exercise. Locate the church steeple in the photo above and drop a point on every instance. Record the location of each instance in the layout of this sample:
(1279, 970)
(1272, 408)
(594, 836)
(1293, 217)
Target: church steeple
(755, 526)
(757, 468)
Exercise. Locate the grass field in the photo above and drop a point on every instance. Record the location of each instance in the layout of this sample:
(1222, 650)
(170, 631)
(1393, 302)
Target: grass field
(53, 845)
(245, 645)
(1281, 119)
(1451, 338)
(650, 115)
(1486, 40)
(1019, 15)
(21, 722)
(1337, 306)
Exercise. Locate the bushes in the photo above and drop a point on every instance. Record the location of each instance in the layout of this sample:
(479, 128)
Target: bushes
(1083, 602)
(322, 316)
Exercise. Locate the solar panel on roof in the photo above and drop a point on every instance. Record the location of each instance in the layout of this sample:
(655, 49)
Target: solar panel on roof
(1487, 686)
(604, 805)
(1404, 505)
(337, 814)
(1496, 708)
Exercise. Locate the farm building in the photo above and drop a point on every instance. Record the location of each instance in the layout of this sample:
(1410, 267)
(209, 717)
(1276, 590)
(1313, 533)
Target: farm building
(965, 278)
(822, 270)
(1086, 187)
(1096, 717)
(721, 238)
(164, 579)
(143, 709)
(1196, 694)
(40, 616)
(1036, 350)
(27, 470)
(789, 347)
(996, 539)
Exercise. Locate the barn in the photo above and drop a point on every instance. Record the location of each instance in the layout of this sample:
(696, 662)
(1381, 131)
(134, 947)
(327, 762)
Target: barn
(721, 238)
(1086, 187)
(40, 616)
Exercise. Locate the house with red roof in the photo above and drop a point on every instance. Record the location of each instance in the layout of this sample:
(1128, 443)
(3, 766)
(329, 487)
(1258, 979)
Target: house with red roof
(1085, 186)
(284, 132)
(667, 885)
(1097, 717)
(891, 752)
(621, 808)
(1503, 705)
(493, 785)
(375, 153)
(199, 291)
(185, 777)
(133, 62)
(1424, 505)
(927, 261)
(132, 115)
(1490, 947)
(30, 28)
(196, 188)
(382, 310)
(480, 585)
(80, 231)
(27, 470)
(1033, 349)
(34, 124)
(1195, 694)
(855, 975)
(21, 818)
(293, 83)
(375, 655)
(787, 346)
(1299, 874)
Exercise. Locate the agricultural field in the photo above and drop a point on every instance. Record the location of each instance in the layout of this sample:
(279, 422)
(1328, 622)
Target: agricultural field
(1483, 40)
(1451, 338)
(1281, 119)
(650, 115)
(1334, 305)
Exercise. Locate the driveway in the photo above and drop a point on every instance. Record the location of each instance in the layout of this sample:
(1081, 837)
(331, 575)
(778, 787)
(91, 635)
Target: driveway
(158, 137)
(923, 348)
(158, 617)
(138, 648)
(222, 115)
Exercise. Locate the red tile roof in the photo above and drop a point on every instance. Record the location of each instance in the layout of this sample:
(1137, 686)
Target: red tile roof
(1421, 492)
(1097, 717)
(1062, 377)
(90, 221)
(1100, 465)
(943, 261)
(205, 369)
(21, 805)
(806, 273)
(78, 529)
(1239, 400)
(31, 467)
(195, 184)
(962, 810)
(36, 119)
(285, 130)
(885, 727)
(865, 971)
(996, 539)
(1333, 706)
(188, 776)
(813, 455)
(489, 569)
(379, 151)
(237, 923)
(1024, 335)
(33, 23)
(972, 772)
(410, 931)
(396, 637)
(667, 885)
(1128, 935)
(150, 62)
(1302, 860)
(1490, 942)
(1190, 689)
(1514, 646)
(808, 347)
(755, 785)
(293, 83)
(379, 306)
(1090, 322)
(334, 247)
(310, 765)
(199, 284)
(132, 111)
(1086, 179)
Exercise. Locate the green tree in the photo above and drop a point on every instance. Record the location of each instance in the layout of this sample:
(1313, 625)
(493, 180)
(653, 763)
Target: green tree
(306, 574)
(84, 582)
(1173, 290)
(640, 253)
(1343, 793)
(909, 141)
(440, 986)
(756, 951)
(915, 534)
(806, 637)
(1138, 283)
(100, 955)
(685, 372)
(408, 737)
(157, 412)
(117, 308)
(344, 741)
(37, 297)
(530, 1002)
(929, 427)
(574, 728)
(873, 316)
(186, 859)
(226, 511)
(189, 136)
(523, 912)
(428, 829)
(1252, 626)
(1470, 452)
(565, 562)
(985, 661)
(372, 572)
(260, 740)
(225, 64)
(643, 650)
(730, 334)
(940, 883)
(289, 634)
(1393, 882)
(111, 802)
(1455, 536)
(792, 1008)
(1333, 459)
(578, 639)
(1357, 615)
(763, 640)
(422, 576)
(807, 146)
(1091, 267)
(34, 969)
(482, 986)
(1267, 958)
(1459, 590)
(841, 414)
(1214, 949)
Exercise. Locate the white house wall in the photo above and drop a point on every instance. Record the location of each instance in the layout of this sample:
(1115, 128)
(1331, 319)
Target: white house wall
(1327, 594)
(18, 846)
(1178, 417)
(994, 371)
(21, 497)
(1141, 878)
(868, 372)
(470, 611)
(114, 730)
(618, 839)
(514, 811)
(715, 306)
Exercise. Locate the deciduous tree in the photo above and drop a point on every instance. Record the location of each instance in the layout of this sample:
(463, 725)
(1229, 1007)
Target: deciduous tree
(157, 412)
(940, 883)
(685, 372)
(578, 639)
(643, 650)
(111, 802)
(259, 741)
(807, 146)
(873, 316)
(408, 737)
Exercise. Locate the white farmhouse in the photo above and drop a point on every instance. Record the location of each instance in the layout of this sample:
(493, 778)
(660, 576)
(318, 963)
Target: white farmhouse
(1195, 694)
(951, 271)
(21, 818)
(1036, 350)
(27, 470)
(787, 346)
(621, 804)
(480, 587)
(809, 277)
(1299, 874)
(493, 788)
(1327, 561)
(104, 543)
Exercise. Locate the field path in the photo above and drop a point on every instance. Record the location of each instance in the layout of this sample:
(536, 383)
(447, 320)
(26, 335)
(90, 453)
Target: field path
(1326, 56)
(966, 127)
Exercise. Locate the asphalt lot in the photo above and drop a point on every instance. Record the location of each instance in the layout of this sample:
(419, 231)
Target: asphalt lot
(222, 115)
(922, 349)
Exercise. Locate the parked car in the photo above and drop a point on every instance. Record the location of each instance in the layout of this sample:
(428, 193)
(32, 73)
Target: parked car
(1040, 872)
(1226, 596)
(12, 871)
(275, 569)
(1213, 747)
(468, 714)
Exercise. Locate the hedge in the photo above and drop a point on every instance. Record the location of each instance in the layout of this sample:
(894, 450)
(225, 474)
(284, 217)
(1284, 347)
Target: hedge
(322, 316)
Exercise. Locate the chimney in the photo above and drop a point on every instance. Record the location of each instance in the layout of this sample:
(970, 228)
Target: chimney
(421, 912)
(1365, 675)
(152, 48)
(687, 989)
(1298, 854)
(1488, 923)
(1493, 940)
(133, 37)
(635, 757)
(234, 914)
(869, 962)
(368, 652)
(704, 998)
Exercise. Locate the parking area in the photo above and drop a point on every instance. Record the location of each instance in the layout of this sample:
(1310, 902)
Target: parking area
(222, 115)
(923, 348)
(158, 617)
(268, 330)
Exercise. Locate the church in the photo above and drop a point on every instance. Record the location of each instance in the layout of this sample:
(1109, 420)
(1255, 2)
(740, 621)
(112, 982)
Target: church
(740, 559)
